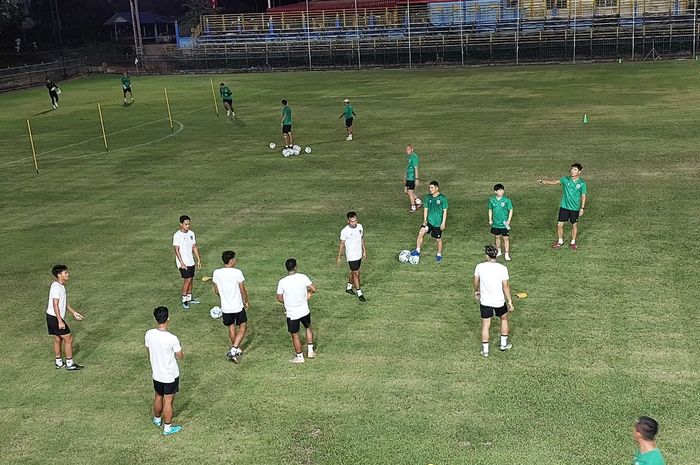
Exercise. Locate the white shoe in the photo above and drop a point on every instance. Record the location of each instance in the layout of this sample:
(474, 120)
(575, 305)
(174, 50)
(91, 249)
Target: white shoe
(54, 106)
(484, 354)
(311, 355)
(508, 258)
(233, 114)
(347, 138)
(499, 253)
(506, 347)
(350, 137)
(228, 113)
(296, 360)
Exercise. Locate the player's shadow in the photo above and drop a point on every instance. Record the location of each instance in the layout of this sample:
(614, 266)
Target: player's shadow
(42, 112)
(127, 104)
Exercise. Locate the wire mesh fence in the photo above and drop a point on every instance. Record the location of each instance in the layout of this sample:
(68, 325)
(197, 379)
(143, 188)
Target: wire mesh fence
(23, 77)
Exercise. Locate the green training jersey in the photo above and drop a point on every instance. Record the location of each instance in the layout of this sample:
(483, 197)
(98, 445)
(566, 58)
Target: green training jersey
(500, 208)
(411, 167)
(126, 82)
(225, 92)
(435, 206)
(653, 457)
(286, 115)
(572, 192)
(347, 111)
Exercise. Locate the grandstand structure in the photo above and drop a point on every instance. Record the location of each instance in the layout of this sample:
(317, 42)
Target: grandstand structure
(366, 33)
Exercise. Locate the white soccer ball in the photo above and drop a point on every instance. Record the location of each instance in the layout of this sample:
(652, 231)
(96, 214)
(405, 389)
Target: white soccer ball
(215, 312)
(413, 259)
(297, 152)
(272, 145)
(418, 201)
(296, 148)
(307, 150)
(287, 152)
(404, 256)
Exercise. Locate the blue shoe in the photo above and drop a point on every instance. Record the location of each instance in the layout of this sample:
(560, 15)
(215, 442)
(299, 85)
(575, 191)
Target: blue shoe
(185, 306)
(157, 422)
(173, 429)
(438, 258)
(415, 253)
(193, 301)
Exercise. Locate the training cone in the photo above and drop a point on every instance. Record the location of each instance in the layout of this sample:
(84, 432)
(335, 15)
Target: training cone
(585, 118)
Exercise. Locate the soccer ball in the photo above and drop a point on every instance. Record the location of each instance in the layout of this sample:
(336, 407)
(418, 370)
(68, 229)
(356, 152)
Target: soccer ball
(413, 259)
(404, 256)
(296, 149)
(307, 150)
(215, 312)
(272, 145)
(418, 201)
(287, 152)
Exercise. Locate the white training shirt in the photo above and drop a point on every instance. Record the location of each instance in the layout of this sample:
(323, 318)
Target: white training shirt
(294, 288)
(227, 280)
(353, 242)
(186, 242)
(57, 291)
(162, 347)
(491, 276)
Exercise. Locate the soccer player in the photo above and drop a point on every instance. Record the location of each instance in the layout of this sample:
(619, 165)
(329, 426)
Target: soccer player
(500, 214)
(644, 432)
(348, 113)
(287, 124)
(294, 291)
(227, 97)
(352, 240)
(164, 350)
(185, 245)
(492, 290)
(126, 87)
(434, 218)
(53, 92)
(229, 285)
(56, 318)
(411, 177)
(573, 203)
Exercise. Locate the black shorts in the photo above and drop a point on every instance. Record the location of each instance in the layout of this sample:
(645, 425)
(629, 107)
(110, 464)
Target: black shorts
(568, 215)
(286, 128)
(128, 89)
(235, 319)
(500, 232)
(355, 265)
(410, 185)
(490, 312)
(348, 122)
(52, 325)
(229, 101)
(166, 389)
(293, 325)
(187, 272)
(434, 231)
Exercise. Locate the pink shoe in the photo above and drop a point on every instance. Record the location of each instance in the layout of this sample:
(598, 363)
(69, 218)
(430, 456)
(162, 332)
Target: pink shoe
(573, 246)
(556, 245)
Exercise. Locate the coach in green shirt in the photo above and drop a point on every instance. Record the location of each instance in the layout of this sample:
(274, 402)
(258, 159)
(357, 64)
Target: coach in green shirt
(644, 432)
(573, 203)
(434, 218)
(411, 177)
(287, 124)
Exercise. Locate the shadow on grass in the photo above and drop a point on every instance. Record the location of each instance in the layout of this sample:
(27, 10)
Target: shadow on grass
(42, 112)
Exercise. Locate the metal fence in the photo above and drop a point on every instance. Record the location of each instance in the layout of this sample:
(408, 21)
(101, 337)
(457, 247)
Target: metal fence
(22, 77)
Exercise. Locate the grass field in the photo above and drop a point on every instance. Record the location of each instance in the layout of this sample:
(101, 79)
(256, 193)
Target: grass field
(607, 333)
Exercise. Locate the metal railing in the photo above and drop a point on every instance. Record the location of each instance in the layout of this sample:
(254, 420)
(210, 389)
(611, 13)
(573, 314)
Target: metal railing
(22, 77)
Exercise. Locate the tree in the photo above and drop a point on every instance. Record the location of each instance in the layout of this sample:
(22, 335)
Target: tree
(193, 10)
(11, 16)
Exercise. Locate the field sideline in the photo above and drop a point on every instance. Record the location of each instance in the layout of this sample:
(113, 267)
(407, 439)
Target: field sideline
(606, 334)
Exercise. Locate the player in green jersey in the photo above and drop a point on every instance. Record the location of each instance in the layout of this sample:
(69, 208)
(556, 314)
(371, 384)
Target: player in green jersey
(573, 203)
(287, 125)
(227, 97)
(434, 218)
(500, 214)
(411, 178)
(126, 87)
(644, 433)
(348, 113)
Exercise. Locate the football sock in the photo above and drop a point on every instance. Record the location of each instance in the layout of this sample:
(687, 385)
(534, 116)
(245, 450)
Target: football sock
(184, 298)
(349, 286)
(235, 350)
(560, 241)
(310, 347)
(485, 347)
(300, 355)
(573, 241)
(418, 249)
(359, 292)
(166, 428)
(439, 255)
(59, 362)
(504, 340)
(188, 297)
(157, 420)
(69, 362)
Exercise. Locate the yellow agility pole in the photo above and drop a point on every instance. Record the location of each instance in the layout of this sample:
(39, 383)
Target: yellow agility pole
(102, 124)
(213, 94)
(167, 103)
(31, 140)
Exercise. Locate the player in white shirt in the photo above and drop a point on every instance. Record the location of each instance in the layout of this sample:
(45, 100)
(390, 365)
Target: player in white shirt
(56, 319)
(294, 291)
(229, 285)
(492, 290)
(164, 350)
(352, 240)
(186, 250)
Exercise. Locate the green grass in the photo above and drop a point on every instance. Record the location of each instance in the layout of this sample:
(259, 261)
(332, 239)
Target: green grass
(607, 334)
